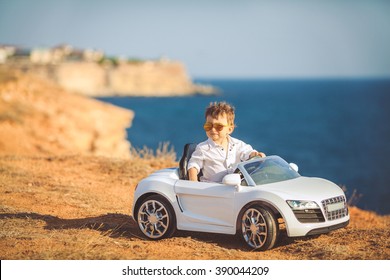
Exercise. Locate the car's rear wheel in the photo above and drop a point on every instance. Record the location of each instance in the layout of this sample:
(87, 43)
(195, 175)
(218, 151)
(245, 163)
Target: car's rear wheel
(259, 227)
(156, 218)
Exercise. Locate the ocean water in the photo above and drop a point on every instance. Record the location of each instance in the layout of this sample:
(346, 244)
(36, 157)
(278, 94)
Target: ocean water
(335, 129)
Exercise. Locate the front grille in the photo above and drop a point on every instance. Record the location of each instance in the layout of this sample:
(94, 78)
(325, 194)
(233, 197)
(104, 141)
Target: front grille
(309, 216)
(338, 213)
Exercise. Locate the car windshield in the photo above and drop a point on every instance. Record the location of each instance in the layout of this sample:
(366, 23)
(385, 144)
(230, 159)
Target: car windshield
(270, 170)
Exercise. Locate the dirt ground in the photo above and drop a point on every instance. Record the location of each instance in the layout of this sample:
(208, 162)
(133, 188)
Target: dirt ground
(79, 207)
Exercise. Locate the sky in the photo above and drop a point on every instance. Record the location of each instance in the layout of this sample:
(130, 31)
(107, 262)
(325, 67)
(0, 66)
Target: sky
(216, 38)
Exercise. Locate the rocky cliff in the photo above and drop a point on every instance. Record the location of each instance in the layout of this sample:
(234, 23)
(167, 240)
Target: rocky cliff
(40, 117)
(145, 78)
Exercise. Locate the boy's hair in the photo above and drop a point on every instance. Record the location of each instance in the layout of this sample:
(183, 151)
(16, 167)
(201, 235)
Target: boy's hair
(216, 109)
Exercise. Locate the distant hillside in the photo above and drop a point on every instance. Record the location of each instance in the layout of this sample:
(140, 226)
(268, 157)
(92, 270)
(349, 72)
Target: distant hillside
(144, 78)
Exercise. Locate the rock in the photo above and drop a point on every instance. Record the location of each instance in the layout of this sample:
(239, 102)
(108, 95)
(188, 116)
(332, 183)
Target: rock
(39, 117)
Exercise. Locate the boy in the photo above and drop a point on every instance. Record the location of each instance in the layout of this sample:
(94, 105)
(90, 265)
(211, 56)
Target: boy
(218, 155)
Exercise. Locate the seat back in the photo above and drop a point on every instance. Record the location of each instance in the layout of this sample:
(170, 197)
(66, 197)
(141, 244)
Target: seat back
(189, 148)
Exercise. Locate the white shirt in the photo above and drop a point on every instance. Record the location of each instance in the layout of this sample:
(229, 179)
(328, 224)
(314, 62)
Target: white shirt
(215, 162)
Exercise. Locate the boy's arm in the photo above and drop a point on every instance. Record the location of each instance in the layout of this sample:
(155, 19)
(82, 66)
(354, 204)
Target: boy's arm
(193, 174)
(247, 152)
(195, 164)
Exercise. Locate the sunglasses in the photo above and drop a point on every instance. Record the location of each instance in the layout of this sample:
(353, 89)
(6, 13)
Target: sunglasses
(218, 126)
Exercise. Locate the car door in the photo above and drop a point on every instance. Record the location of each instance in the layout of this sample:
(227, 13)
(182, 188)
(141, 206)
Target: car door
(206, 205)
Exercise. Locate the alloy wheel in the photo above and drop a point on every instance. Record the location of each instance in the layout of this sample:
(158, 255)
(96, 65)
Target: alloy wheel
(254, 228)
(153, 219)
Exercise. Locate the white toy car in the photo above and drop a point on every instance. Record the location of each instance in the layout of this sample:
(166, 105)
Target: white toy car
(248, 202)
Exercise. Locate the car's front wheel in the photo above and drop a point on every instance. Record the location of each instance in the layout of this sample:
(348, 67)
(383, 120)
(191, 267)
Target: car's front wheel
(259, 227)
(156, 218)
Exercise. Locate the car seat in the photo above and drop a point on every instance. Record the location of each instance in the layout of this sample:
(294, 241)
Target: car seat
(189, 148)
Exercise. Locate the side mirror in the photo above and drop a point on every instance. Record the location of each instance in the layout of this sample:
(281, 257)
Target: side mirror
(294, 166)
(232, 180)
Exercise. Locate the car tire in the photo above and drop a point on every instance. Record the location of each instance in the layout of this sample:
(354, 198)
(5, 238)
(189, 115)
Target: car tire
(156, 217)
(259, 227)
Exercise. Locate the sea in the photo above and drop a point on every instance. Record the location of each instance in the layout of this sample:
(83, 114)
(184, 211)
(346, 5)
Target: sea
(337, 129)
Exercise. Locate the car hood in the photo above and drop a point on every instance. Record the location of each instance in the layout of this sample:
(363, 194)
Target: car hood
(304, 188)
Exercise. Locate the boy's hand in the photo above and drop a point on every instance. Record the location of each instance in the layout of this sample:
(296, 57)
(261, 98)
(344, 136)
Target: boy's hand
(257, 154)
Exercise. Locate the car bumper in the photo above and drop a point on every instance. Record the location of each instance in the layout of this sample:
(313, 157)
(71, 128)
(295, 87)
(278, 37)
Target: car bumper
(327, 229)
(296, 228)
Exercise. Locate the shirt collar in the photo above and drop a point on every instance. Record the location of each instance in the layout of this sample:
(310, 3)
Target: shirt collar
(231, 140)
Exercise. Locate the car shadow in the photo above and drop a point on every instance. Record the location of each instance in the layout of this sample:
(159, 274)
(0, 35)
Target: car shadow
(235, 242)
(112, 224)
(117, 225)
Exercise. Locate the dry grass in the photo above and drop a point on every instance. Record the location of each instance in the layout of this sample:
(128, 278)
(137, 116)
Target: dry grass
(79, 207)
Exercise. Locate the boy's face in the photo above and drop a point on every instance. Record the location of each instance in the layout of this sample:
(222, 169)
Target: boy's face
(219, 136)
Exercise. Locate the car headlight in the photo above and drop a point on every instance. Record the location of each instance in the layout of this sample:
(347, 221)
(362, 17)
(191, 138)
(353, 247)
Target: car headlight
(302, 204)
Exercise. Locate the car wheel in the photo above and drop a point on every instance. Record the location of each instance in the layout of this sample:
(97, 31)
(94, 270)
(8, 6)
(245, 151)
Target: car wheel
(259, 227)
(156, 218)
